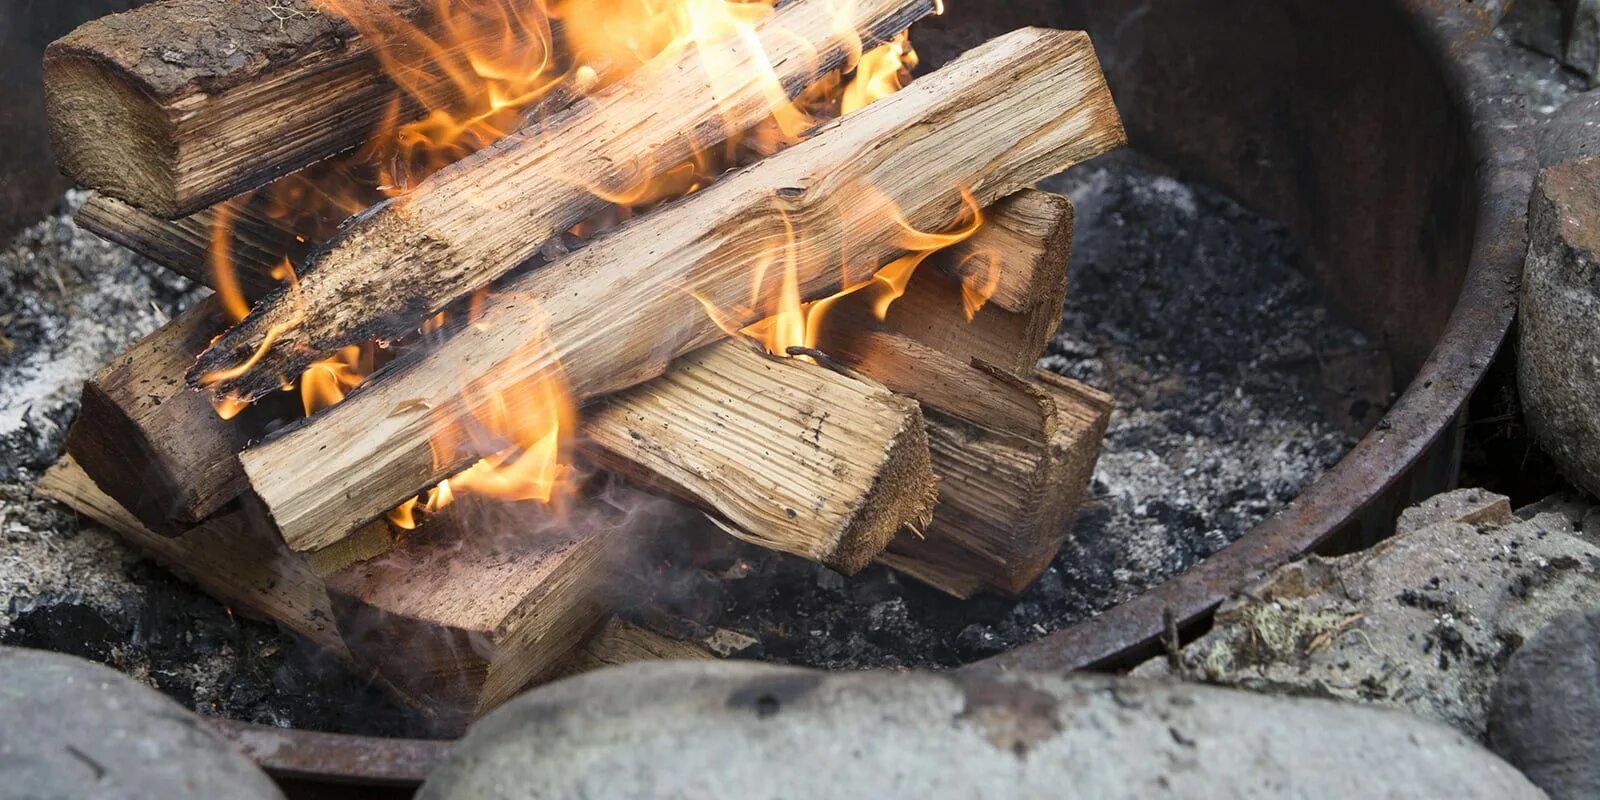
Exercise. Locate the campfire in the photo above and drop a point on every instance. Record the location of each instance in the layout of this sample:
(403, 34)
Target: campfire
(474, 261)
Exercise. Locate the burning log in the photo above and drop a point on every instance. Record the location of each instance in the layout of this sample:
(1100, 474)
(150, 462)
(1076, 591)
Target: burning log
(459, 619)
(615, 313)
(181, 104)
(477, 219)
(1028, 236)
(782, 453)
(1013, 457)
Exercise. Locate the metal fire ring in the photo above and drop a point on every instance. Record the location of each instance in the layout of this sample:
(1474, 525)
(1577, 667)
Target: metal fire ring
(1413, 451)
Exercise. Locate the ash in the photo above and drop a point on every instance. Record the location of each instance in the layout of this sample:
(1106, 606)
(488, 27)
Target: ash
(1235, 388)
(70, 303)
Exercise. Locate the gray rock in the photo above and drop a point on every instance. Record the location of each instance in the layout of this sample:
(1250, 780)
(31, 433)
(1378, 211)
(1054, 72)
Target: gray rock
(1546, 708)
(751, 731)
(1422, 622)
(72, 729)
(1573, 132)
(1559, 364)
(1568, 30)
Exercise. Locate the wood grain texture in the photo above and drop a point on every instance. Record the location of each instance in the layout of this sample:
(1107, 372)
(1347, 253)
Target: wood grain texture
(242, 564)
(1027, 236)
(1013, 457)
(1013, 329)
(475, 606)
(180, 104)
(472, 222)
(615, 313)
(256, 244)
(783, 453)
(1003, 542)
(153, 445)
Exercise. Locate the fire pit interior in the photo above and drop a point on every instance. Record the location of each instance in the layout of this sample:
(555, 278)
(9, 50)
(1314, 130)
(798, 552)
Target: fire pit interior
(1238, 379)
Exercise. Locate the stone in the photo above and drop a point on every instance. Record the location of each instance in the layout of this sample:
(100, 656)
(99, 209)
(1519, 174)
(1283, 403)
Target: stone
(1558, 368)
(69, 728)
(1572, 133)
(1567, 30)
(1423, 622)
(1471, 506)
(752, 731)
(1546, 708)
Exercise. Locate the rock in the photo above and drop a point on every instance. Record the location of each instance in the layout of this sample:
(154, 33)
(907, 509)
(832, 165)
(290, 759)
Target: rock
(1568, 30)
(1559, 363)
(69, 728)
(1423, 622)
(1573, 132)
(1471, 506)
(1547, 708)
(751, 731)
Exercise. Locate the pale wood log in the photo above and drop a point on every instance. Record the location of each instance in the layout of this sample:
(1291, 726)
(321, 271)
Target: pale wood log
(1030, 240)
(472, 222)
(180, 104)
(475, 606)
(782, 453)
(243, 564)
(616, 312)
(1013, 456)
(1028, 235)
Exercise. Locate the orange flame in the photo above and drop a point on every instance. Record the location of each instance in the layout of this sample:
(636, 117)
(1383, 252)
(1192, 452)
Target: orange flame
(793, 323)
(478, 72)
(528, 432)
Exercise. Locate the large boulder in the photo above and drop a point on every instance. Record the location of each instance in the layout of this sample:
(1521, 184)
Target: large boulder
(72, 729)
(1423, 622)
(1559, 340)
(1546, 711)
(751, 731)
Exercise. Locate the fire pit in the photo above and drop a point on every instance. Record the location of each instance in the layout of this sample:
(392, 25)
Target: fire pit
(1399, 179)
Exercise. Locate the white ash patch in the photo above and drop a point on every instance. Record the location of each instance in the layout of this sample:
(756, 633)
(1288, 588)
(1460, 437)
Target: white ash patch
(73, 300)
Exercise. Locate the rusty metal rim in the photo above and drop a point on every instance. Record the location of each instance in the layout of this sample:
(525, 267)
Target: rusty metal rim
(1500, 144)
(1458, 34)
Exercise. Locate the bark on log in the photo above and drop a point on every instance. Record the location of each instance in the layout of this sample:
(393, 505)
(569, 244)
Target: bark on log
(472, 222)
(1014, 457)
(256, 244)
(181, 104)
(153, 445)
(616, 312)
(781, 453)
(241, 564)
(473, 608)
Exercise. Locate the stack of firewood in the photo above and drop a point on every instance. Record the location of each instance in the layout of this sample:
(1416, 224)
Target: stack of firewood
(926, 440)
